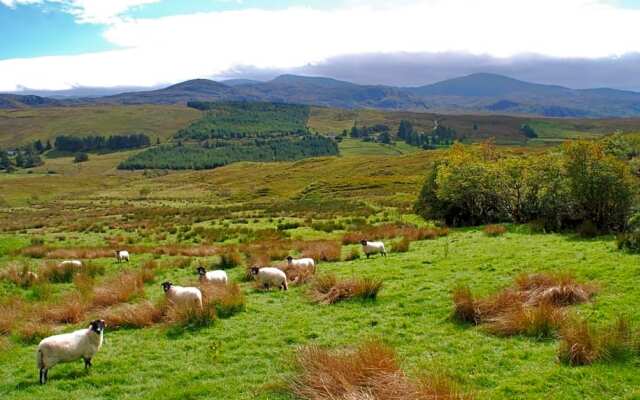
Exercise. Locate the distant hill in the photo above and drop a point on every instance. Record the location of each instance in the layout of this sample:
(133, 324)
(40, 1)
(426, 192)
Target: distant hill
(476, 93)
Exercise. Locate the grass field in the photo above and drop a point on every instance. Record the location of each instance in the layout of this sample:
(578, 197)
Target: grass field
(238, 357)
(19, 127)
(351, 147)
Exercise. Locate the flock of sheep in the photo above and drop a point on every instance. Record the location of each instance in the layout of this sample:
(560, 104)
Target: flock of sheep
(85, 343)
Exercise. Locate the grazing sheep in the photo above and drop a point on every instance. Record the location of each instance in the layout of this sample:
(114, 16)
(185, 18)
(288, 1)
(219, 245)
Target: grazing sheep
(31, 276)
(179, 295)
(268, 277)
(370, 248)
(75, 263)
(302, 262)
(218, 276)
(83, 343)
(122, 255)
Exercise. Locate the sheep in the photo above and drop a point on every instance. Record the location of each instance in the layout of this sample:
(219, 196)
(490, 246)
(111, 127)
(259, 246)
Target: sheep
(122, 255)
(370, 248)
(179, 295)
(83, 343)
(218, 276)
(74, 263)
(302, 262)
(268, 276)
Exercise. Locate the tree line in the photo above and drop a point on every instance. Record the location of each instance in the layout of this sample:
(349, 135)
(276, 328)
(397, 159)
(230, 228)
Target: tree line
(75, 144)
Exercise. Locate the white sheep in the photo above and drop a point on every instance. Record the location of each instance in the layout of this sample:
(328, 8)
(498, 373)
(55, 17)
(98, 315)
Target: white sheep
(218, 276)
(122, 255)
(302, 262)
(370, 248)
(179, 295)
(269, 276)
(74, 263)
(83, 343)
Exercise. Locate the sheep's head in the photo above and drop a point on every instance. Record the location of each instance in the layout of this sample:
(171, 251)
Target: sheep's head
(166, 286)
(255, 270)
(289, 259)
(201, 271)
(97, 326)
(363, 242)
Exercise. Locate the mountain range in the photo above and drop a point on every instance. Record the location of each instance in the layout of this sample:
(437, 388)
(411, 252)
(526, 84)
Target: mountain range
(476, 93)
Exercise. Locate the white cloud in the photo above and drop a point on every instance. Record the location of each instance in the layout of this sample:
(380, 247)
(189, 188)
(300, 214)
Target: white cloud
(14, 3)
(175, 48)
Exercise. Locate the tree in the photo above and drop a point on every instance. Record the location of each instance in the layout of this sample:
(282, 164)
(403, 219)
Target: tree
(405, 129)
(385, 138)
(5, 162)
(38, 146)
(81, 157)
(528, 131)
(48, 146)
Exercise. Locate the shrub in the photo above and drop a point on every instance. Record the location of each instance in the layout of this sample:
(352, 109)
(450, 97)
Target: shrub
(327, 226)
(401, 246)
(587, 229)
(371, 371)
(494, 230)
(328, 289)
(288, 225)
(629, 241)
(80, 157)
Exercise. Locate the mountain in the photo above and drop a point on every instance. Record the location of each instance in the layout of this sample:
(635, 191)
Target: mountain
(26, 101)
(476, 93)
(496, 93)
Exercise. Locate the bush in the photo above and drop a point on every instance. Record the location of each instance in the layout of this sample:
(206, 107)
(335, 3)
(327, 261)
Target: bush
(327, 226)
(629, 241)
(80, 157)
(288, 225)
(372, 371)
(328, 289)
(587, 229)
(494, 230)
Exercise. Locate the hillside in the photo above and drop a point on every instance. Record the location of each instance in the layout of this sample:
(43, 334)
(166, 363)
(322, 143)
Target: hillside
(476, 93)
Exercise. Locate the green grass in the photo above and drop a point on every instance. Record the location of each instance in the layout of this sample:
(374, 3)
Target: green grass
(354, 147)
(235, 357)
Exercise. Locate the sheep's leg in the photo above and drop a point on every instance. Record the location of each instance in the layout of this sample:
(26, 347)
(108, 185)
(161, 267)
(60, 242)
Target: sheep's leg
(87, 362)
(367, 256)
(43, 376)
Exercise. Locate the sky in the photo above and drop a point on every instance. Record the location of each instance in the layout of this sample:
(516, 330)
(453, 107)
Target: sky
(67, 44)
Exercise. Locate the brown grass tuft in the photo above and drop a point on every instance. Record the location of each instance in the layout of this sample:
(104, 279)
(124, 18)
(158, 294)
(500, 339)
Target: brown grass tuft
(389, 231)
(227, 299)
(532, 306)
(328, 289)
(371, 371)
(140, 315)
(297, 275)
(69, 310)
(19, 274)
(33, 332)
(401, 246)
(120, 289)
(494, 230)
(321, 250)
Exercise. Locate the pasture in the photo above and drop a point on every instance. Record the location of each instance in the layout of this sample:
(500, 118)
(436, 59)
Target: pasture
(183, 219)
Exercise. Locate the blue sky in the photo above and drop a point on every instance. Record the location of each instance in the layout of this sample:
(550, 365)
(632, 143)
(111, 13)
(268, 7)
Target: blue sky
(62, 44)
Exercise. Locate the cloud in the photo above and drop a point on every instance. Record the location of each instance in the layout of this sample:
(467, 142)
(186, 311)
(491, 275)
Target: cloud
(170, 49)
(14, 3)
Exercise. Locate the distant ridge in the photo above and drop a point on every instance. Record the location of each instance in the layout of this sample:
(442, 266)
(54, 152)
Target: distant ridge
(475, 93)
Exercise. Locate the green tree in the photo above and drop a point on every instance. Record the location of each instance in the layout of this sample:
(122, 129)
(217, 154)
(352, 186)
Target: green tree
(80, 157)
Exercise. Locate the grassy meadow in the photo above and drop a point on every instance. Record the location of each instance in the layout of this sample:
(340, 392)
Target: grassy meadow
(248, 213)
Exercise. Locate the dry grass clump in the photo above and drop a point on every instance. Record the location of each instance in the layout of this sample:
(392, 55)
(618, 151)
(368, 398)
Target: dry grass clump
(494, 230)
(69, 310)
(20, 274)
(320, 250)
(33, 332)
(62, 273)
(328, 289)
(297, 275)
(401, 246)
(227, 299)
(9, 315)
(370, 372)
(583, 344)
(190, 317)
(533, 306)
(229, 259)
(353, 254)
(121, 288)
(140, 315)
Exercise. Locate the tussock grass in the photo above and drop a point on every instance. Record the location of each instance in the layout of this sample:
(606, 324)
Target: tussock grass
(389, 231)
(69, 310)
(230, 258)
(297, 275)
(583, 344)
(228, 299)
(140, 315)
(533, 306)
(20, 274)
(321, 250)
(328, 289)
(353, 254)
(62, 273)
(33, 332)
(189, 317)
(401, 246)
(370, 372)
(494, 230)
